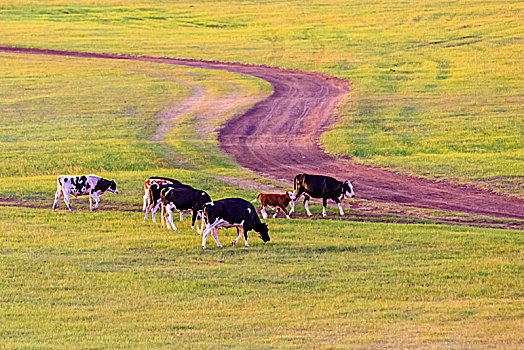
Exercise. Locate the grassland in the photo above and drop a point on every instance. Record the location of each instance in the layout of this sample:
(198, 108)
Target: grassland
(106, 280)
(47, 109)
(437, 87)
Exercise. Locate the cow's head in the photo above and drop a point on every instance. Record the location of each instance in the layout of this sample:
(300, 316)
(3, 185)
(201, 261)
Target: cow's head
(205, 198)
(112, 187)
(347, 189)
(262, 231)
(291, 195)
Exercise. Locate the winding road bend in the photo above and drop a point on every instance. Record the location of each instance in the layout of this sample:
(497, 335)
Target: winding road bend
(278, 138)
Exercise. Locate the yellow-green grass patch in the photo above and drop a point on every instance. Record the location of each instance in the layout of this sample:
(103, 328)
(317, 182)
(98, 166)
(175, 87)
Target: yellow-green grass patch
(105, 279)
(427, 79)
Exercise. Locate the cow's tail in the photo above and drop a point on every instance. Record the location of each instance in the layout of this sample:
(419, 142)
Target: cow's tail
(202, 227)
(254, 200)
(162, 214)
(295, 183)
(59, 184)
(162, 204)
(150, 197)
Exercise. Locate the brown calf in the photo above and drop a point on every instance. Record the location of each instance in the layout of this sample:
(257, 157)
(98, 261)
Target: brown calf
(278, 201)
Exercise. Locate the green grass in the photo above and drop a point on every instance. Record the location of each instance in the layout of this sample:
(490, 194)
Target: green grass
(48, 124)
(436, 88)
(89, 280)
(47, 109)
(106, 280)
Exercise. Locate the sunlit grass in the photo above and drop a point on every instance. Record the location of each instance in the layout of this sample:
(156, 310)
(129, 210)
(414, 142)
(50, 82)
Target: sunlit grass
(49, 125)
(436, 91)
(106, 280)
(89, 120)
(428, 79)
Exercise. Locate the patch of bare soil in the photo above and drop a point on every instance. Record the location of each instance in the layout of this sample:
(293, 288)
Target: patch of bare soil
(169, 114)
(80, 204)
(278, 138)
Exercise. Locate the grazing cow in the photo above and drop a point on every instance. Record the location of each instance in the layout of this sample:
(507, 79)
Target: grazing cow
(182, 199)
(319, 186)
(80, 185)
(155, 180)
(232, 212)
(278, 201)
(154, 200)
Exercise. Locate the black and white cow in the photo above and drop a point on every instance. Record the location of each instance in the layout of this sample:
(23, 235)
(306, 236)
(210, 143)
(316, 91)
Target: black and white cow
(320, 186)
(154, 200)
(232, 212)
(182, 199)
(81, 185)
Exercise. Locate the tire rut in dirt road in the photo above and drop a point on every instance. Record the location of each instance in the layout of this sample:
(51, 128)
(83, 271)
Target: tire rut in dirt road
(278, 138)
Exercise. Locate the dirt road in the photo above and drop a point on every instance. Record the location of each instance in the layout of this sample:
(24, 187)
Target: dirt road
(278, 138)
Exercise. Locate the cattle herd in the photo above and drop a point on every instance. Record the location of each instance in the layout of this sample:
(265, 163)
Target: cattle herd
(172, 195)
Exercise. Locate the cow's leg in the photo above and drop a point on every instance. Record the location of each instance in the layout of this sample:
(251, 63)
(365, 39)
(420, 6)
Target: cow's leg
(164, 218)
(93, 196)
(194, 218)
(208, 230)
(146, 200)
(339, 206)
(298, 194)
(147, 213)
(215, 236)
(263, 212)
(66, 200)
(152, 210)
(181, 216)
(58, 194)
(239, 231)
(170, 216)
(306, 205)
(203, 227)
(245, 231)
(277, 209)
(324, 204)
(285, 212)
(155, 209)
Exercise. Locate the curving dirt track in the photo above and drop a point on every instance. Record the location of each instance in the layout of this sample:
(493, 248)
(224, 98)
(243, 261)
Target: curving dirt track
(278, 138)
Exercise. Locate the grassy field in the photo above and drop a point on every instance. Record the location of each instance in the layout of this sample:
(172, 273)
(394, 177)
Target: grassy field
(437, 87)
(106, 280)
(47, 109)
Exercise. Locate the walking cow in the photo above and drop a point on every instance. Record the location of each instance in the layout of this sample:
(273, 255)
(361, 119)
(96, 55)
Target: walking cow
(278, 201)
(80, 185)
(232, 212)
(182, 199)
(320, 186)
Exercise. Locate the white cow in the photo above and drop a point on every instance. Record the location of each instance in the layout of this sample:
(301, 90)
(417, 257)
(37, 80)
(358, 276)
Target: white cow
(81, 185)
